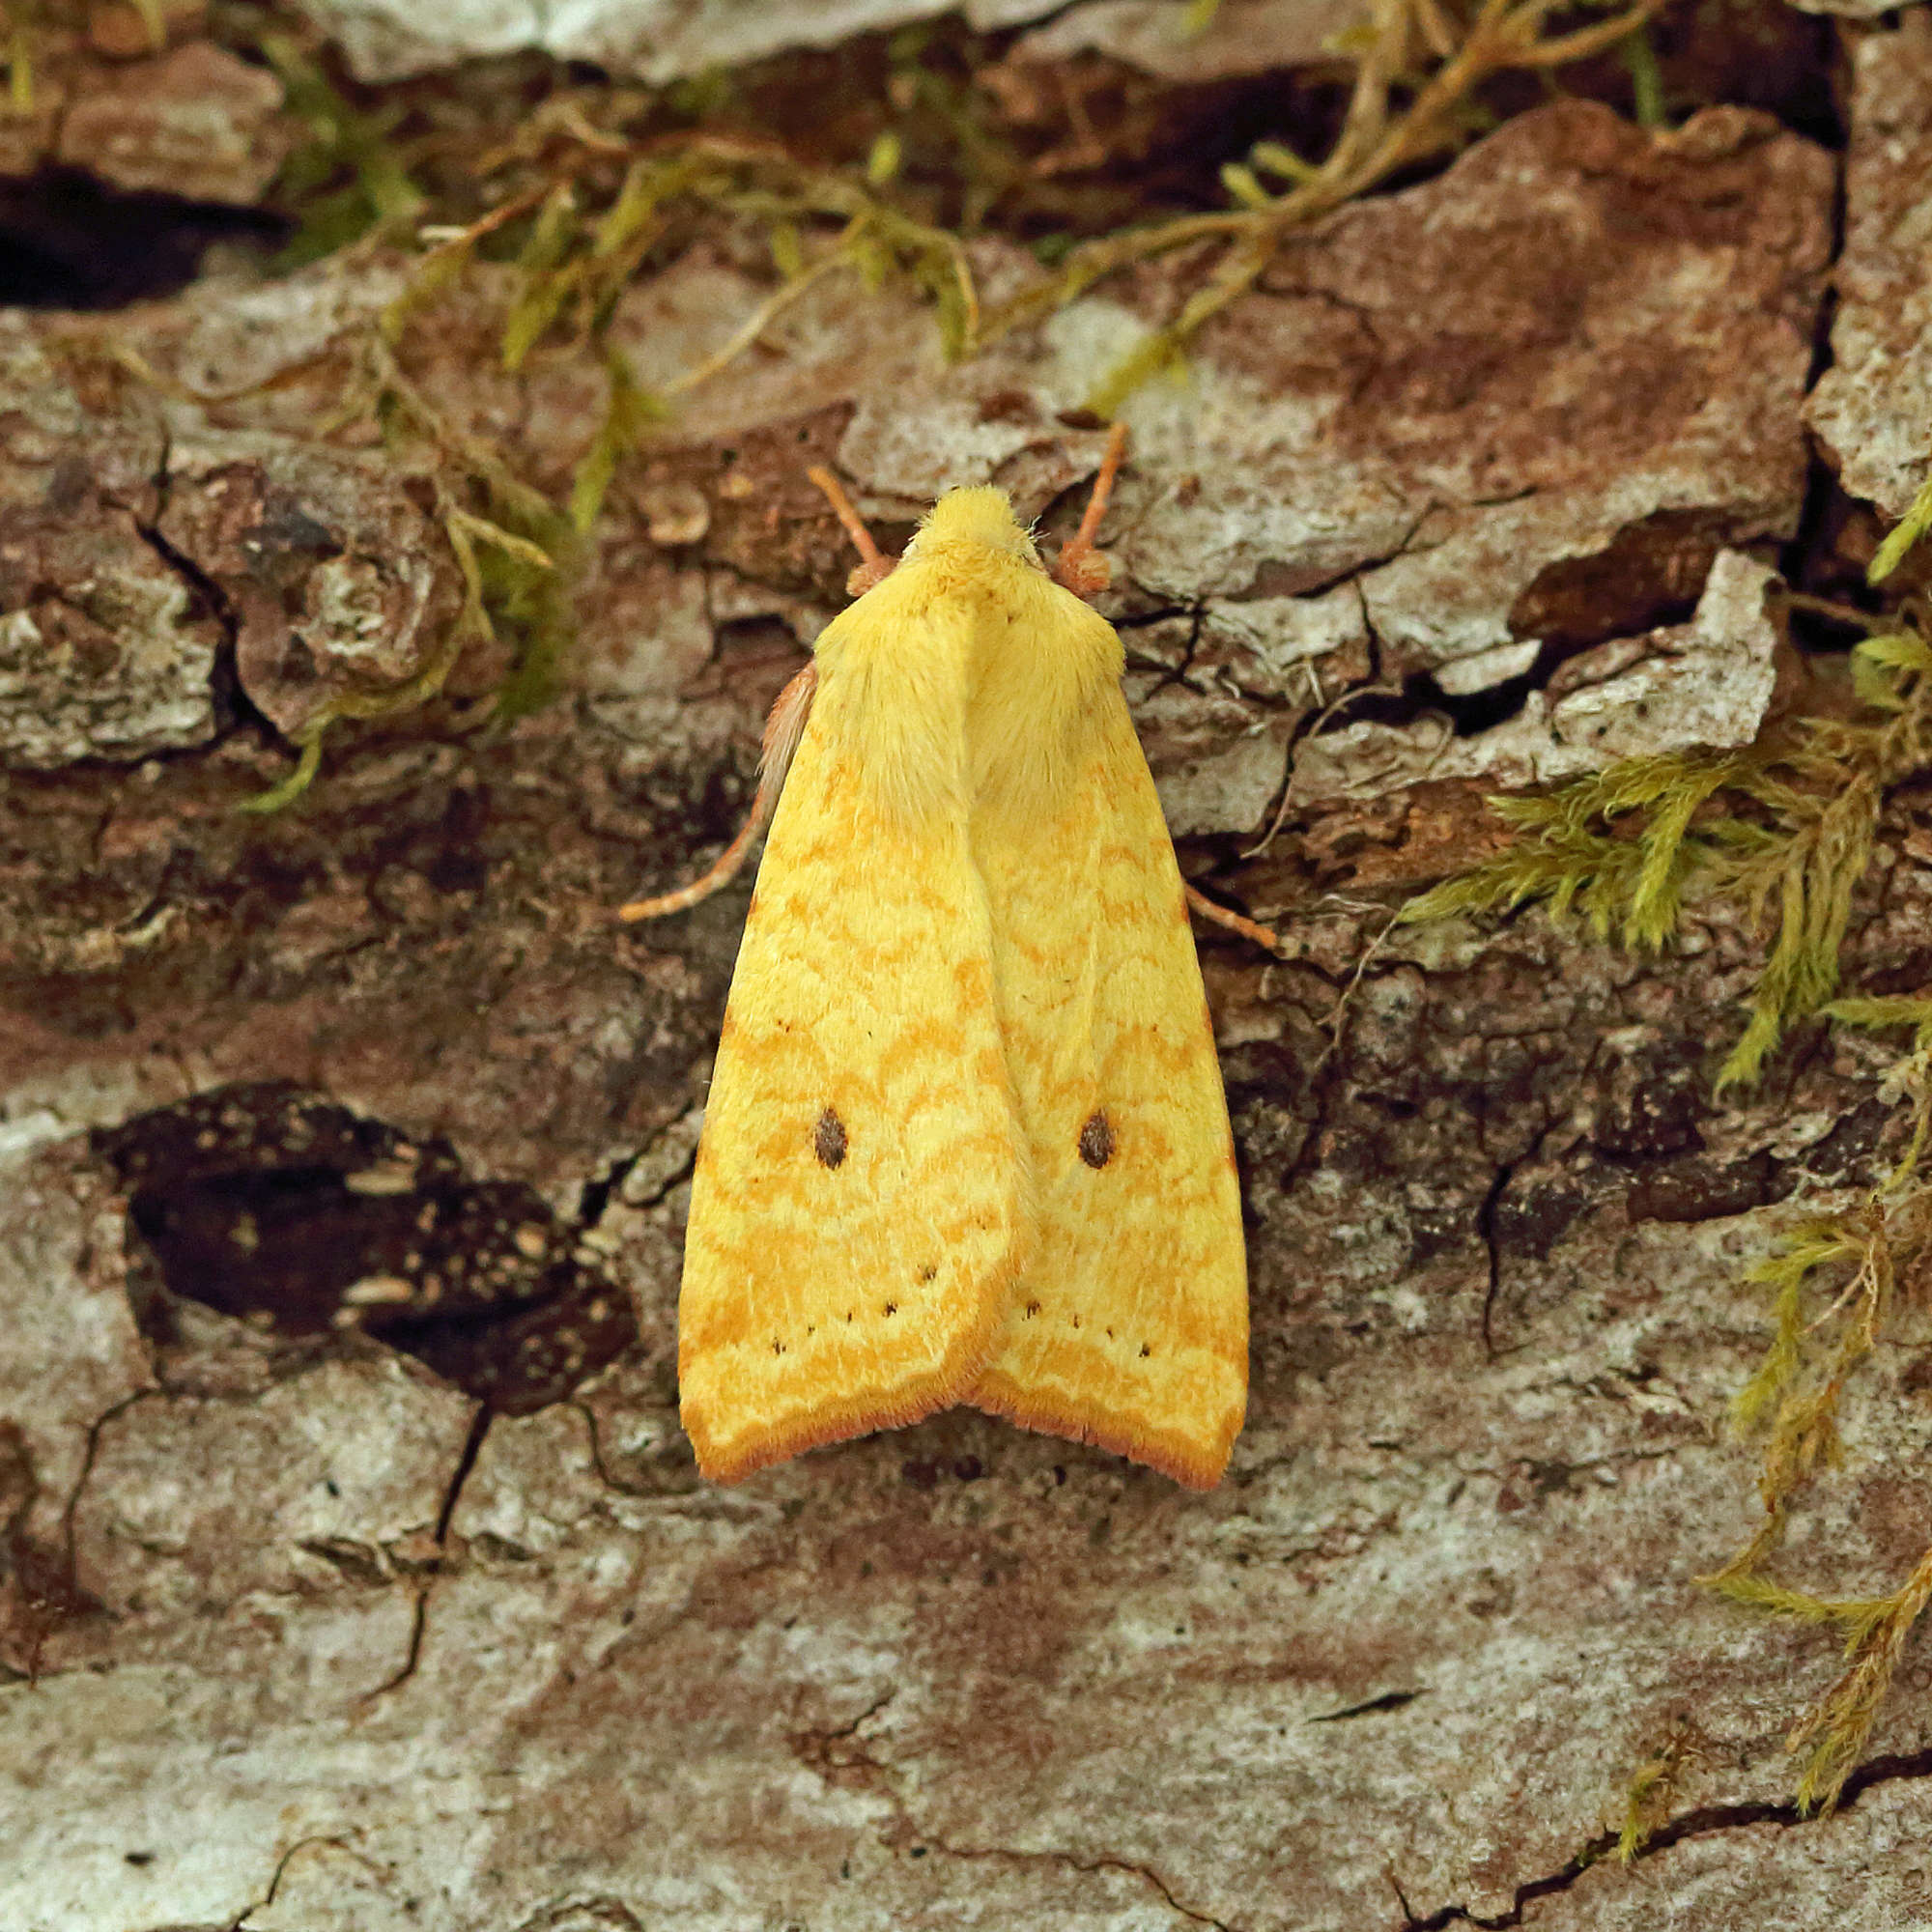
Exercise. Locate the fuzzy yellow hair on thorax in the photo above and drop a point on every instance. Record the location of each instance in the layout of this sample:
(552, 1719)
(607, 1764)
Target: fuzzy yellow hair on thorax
(979, 514)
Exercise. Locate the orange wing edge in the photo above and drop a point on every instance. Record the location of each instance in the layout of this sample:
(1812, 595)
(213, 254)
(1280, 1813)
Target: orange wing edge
(1197, 1461)
(845, 1414)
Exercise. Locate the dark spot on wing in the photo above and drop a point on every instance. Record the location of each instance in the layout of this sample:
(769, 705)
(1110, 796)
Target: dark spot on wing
(828, 1139)
(1097, 1140)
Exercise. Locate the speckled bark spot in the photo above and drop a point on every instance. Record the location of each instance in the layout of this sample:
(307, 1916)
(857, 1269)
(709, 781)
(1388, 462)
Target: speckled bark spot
(828, 1139)
(279, 1207)
(1097, 1140)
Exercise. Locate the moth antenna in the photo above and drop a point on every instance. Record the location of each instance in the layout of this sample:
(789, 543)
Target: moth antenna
(1264, 936)
(1079, 566)
(783, 729)
(874, 566)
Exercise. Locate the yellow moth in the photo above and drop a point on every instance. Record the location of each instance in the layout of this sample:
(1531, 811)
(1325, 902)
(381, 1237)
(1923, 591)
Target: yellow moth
(966, 1139)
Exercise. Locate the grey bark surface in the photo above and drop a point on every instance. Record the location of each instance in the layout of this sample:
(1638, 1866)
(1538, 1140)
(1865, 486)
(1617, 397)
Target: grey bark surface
(389, 1597)
(667, 40)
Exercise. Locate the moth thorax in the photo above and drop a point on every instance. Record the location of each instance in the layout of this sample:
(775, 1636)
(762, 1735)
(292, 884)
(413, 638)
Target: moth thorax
(977, 515)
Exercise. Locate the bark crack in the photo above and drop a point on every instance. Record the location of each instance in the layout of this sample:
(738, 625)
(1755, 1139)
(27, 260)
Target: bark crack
(1369, 1707)
(89, 1457)
(1106, 1862)
(1167, 676)
(288, 1858)
(1486, 1227)
(1705, 1821)
(423, 1585)
(843, 1750)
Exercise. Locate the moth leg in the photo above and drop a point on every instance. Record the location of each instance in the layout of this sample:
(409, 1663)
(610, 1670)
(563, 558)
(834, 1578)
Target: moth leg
(874, 566)
(1079, 566)
(783, 730)
(1264, 936)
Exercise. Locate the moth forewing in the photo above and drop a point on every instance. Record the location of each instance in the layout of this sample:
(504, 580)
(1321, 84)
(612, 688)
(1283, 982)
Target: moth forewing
(966, 1138)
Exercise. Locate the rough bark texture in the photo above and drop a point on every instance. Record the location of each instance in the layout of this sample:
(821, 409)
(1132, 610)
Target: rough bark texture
(355, 1572)
(1873, 407)
(658, 40)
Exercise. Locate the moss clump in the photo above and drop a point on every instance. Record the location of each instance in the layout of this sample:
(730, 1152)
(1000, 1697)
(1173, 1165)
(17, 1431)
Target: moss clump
(512, 552)
(1856, 1265)
(347, 177)
(1418, 72)
(1653, 1790)
(1784, 830)
(592, 190)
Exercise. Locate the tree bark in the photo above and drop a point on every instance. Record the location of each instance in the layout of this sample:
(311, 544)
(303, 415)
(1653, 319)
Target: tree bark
(407, 1608)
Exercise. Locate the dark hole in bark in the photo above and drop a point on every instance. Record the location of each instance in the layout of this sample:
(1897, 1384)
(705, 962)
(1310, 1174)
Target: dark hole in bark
(277, 1206)
(67, 240)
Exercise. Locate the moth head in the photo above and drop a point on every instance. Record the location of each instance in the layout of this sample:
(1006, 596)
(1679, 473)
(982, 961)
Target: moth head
(977, 515)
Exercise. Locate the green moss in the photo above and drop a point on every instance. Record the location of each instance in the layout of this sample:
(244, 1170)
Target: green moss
(629, 413)
(513, 554)
(1653, 1790)
(301, 775)
(1834, 1284)
(582, 206)
(1413, 99)
(1913, 525)
(346, 178)
(1646, 77)
(1785, 832)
